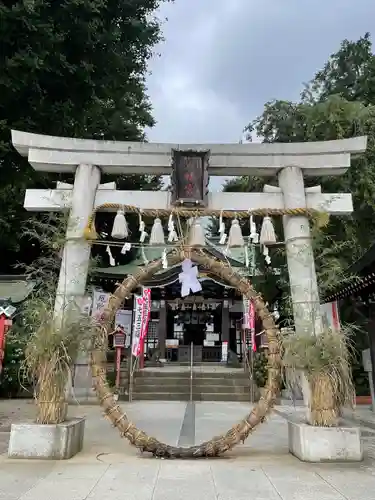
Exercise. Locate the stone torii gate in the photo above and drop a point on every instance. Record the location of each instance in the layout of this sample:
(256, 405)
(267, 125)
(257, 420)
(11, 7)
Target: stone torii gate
(291, 162)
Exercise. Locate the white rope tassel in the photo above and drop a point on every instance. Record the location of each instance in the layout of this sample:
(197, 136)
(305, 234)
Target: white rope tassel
(267, 233)
(172, 235)
(142, 228)
(157, 233)
(266, 254)
(197, 237)
(235, 235)
(112, 261)
(164, 259)
(120, 229)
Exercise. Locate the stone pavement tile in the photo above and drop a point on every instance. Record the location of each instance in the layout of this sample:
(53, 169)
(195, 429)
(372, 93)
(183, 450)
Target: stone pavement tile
(185, 480)
(17, 478)
(241, 481)
(61, 489)
(352, 481)
(162, 420)
(300, 483)
(131, 480)
(68, 470)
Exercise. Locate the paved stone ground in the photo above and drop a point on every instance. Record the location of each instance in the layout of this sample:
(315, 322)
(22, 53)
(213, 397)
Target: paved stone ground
(110, 469)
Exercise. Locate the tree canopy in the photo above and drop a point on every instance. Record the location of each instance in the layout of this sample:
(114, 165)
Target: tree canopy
(338, 103)
(72, 68)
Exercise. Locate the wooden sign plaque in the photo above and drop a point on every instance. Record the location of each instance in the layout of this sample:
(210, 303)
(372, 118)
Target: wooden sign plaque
(190, 178)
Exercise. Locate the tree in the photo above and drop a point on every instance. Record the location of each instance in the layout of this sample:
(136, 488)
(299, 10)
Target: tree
(338, 103)
(72, 68)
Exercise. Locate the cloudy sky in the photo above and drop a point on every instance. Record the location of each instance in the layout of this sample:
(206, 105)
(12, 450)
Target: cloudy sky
(223, 59)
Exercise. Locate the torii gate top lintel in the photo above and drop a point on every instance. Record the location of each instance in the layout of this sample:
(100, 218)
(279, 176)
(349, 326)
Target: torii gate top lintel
(62, 154)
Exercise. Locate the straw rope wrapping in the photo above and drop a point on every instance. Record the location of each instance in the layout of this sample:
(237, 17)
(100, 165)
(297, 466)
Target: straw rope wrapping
(90, 232)
(239, 432)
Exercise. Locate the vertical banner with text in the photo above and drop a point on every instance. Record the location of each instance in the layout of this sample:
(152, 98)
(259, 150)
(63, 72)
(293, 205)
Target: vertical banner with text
(99, 302)
(249, 320)
(145, 317)
(137, 325)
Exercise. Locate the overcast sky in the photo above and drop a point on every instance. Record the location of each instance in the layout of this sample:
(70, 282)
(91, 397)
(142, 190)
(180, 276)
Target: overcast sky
(223, 59)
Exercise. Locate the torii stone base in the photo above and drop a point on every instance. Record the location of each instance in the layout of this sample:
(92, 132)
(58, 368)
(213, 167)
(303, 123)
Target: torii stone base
(324, 444)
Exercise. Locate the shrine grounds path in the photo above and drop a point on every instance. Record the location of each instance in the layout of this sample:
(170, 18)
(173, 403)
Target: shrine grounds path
(110, 469)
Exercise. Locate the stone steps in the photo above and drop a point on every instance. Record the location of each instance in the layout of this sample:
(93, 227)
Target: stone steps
(161, 385)
(167, 396)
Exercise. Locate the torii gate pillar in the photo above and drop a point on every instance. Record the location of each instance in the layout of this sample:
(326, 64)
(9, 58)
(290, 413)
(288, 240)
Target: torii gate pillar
(300, 257)
(76, 255)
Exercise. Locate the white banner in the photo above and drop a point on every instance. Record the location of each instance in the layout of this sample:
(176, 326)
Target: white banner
(246, 313)
(138, 323)
(99, 302)
(224, 352)
(124, 321)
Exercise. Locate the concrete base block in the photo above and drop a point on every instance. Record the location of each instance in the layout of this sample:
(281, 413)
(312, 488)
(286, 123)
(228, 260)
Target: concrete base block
(325, 444)
(47, 441)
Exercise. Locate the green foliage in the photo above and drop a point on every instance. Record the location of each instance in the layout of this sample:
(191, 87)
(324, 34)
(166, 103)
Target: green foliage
(260, 369)
(338, 103)
(10, 380)
(74, 68)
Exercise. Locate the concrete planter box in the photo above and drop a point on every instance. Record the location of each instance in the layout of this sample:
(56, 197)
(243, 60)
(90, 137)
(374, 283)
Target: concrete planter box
(325, 444)
(47, 441)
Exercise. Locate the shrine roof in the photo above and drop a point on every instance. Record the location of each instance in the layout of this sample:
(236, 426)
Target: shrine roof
(364, 271)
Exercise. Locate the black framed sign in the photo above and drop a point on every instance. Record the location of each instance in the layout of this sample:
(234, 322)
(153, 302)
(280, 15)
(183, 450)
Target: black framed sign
(190, 178)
